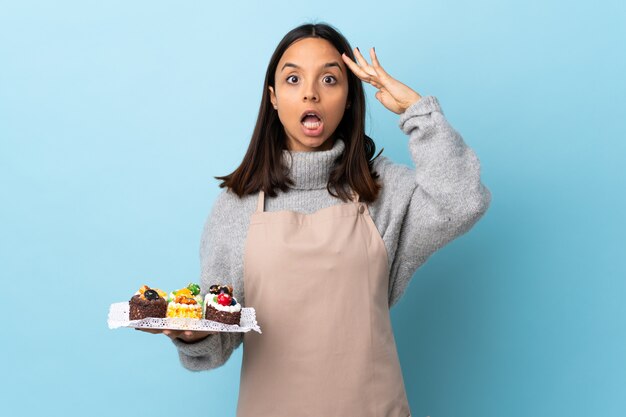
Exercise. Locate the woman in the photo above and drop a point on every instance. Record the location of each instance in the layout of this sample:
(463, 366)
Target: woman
(321, 237)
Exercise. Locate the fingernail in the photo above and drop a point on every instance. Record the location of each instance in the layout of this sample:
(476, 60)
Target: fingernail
(357, 48)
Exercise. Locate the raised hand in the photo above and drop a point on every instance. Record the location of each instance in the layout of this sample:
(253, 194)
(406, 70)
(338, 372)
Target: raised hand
(394, 95)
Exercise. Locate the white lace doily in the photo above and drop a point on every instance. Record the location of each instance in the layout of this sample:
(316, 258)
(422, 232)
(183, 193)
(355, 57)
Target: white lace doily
(118, 317)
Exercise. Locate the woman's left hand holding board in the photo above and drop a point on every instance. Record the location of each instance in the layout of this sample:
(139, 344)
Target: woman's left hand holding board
(188, 336)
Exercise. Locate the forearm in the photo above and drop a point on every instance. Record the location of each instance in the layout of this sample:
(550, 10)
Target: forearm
(447, 171)
(442, 197)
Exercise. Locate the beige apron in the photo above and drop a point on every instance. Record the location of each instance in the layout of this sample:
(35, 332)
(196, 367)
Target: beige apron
(319, 285)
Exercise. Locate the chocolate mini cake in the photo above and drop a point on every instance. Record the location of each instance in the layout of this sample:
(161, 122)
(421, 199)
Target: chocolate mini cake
(147, 302)
(221, 306)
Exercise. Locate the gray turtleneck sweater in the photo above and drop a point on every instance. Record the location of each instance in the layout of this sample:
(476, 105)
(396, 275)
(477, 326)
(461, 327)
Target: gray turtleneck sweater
(417, 212)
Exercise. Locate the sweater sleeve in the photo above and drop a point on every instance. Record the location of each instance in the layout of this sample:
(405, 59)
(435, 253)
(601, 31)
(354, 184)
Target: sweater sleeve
(216, 261)
(442, 198)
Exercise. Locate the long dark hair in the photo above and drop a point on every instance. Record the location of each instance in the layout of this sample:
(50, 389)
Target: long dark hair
(262, 167)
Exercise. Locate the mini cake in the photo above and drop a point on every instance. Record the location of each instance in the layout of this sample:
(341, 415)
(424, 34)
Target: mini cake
(185, 302)
(147, 302)
(221, 306)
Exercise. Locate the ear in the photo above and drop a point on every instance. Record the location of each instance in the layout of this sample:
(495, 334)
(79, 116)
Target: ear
(272, 96)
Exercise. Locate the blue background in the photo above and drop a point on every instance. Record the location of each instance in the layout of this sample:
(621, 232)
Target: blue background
(115, 116)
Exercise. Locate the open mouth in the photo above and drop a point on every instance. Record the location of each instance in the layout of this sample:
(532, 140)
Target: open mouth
(312, 124)
(311, 121)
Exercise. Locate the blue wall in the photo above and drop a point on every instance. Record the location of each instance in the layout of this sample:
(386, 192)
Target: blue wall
(115, 116)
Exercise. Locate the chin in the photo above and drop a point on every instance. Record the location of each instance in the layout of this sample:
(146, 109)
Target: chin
(313, 143)
(325, 144)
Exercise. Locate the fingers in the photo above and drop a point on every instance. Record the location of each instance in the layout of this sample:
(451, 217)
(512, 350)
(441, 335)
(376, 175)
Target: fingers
(172, 334)
(356, 69)
(359, 58)
(379, 70)
(371, 71)
(393, 94)
(380, 94)
(374, 75)
(153, 331)
(181, 334)
(194, 336)
(187, 335)
(362, 70)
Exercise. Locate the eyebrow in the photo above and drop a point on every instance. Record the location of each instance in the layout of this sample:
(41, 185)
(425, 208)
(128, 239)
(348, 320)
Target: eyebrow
(328, 65)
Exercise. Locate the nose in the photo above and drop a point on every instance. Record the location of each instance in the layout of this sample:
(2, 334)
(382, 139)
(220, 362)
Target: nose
(310, 92)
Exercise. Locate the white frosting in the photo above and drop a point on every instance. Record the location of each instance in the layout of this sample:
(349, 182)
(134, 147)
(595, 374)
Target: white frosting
(208, 300)
(184, 306)
(172, 296)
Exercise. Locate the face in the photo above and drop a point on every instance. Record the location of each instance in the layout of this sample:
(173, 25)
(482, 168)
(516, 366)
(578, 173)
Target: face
(310, 78)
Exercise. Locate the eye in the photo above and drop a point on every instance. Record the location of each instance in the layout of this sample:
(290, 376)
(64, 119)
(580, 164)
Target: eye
(332, 79)
(290, 77)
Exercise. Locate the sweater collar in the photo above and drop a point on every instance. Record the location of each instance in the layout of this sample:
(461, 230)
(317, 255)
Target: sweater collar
(311, 170)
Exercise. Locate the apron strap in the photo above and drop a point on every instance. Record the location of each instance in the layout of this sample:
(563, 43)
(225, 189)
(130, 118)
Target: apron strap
(261, 200)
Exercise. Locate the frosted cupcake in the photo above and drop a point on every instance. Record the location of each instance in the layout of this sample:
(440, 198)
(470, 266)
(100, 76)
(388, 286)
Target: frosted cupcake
(221, 306)
(186, 302)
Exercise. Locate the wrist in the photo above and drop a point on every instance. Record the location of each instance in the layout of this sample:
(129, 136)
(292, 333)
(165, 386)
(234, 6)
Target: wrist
(411, 102)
